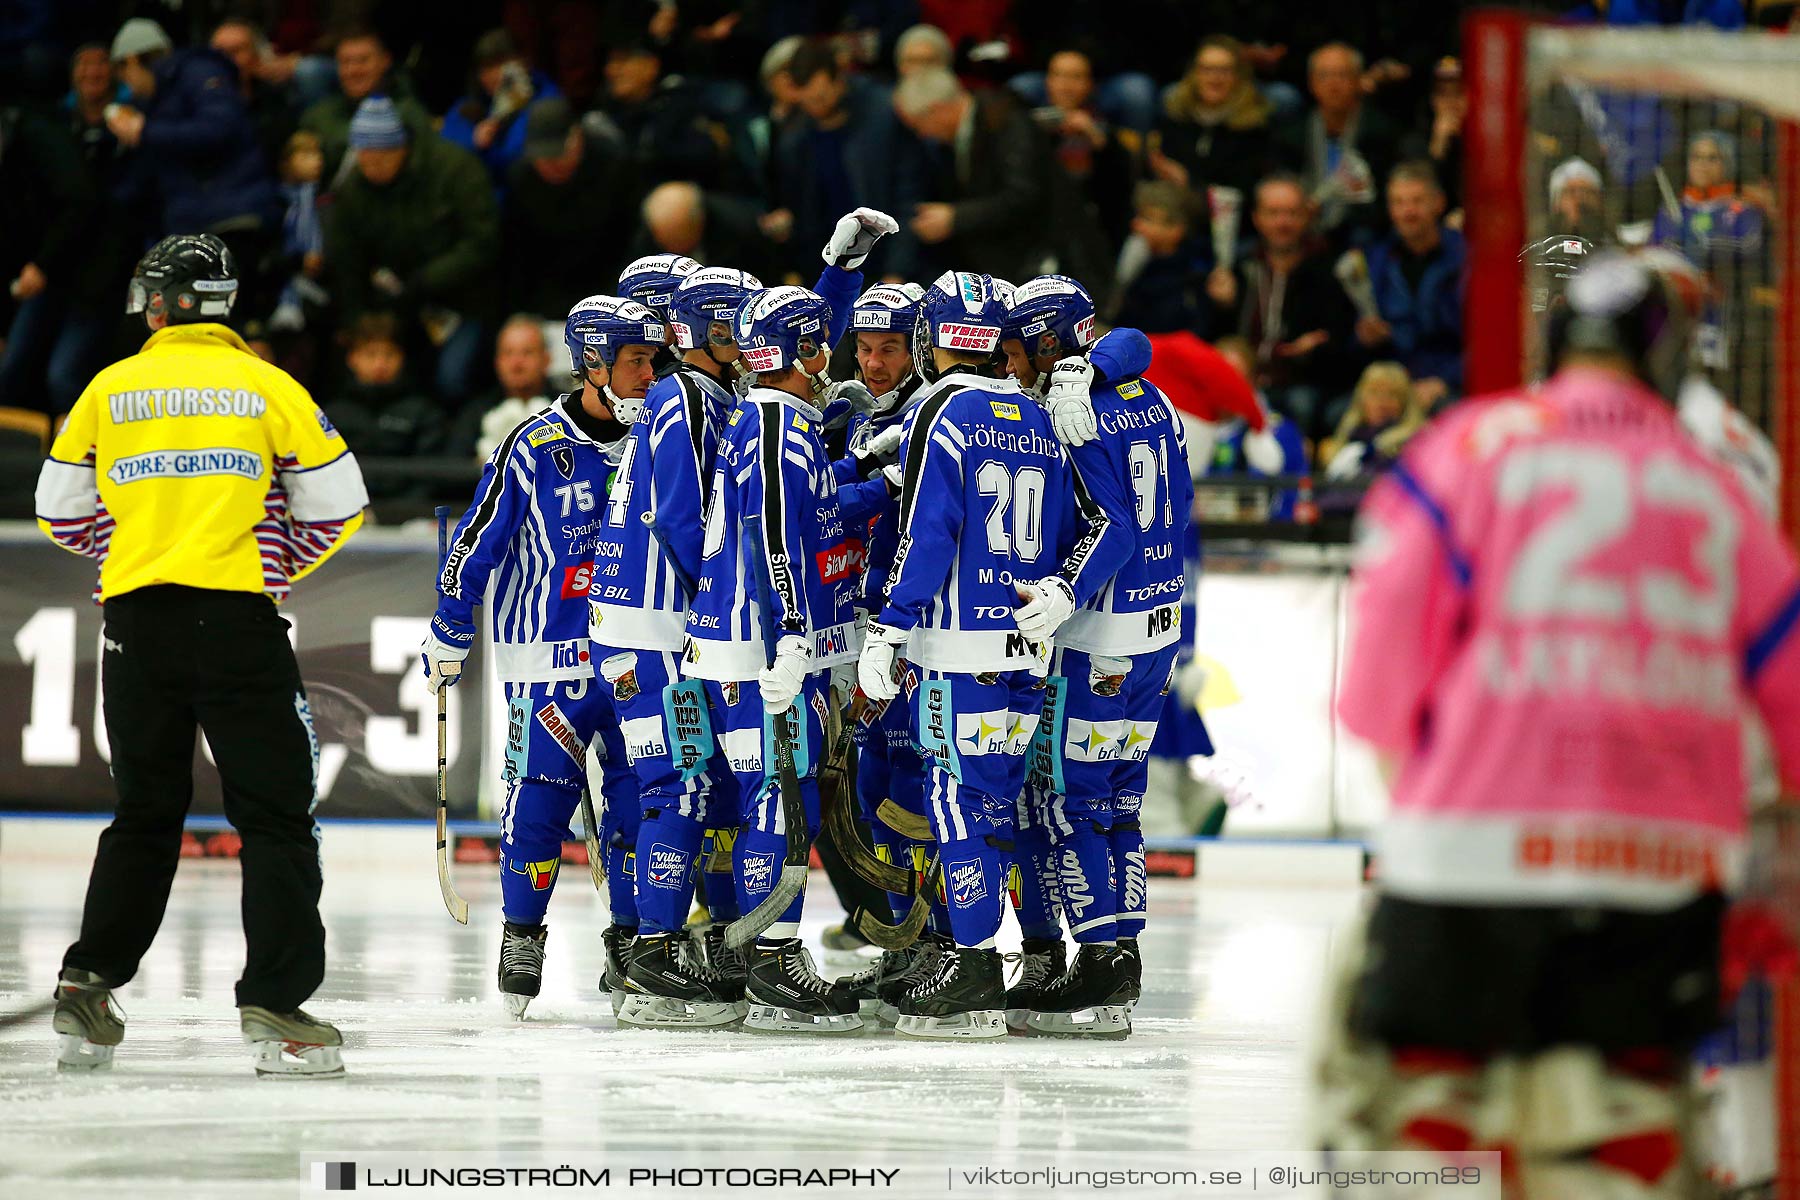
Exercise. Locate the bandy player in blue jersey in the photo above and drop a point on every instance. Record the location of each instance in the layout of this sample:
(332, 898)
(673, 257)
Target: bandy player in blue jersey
(1115, 653)
(526, 548)
(643, 578)
(988, 502)
(792, 577)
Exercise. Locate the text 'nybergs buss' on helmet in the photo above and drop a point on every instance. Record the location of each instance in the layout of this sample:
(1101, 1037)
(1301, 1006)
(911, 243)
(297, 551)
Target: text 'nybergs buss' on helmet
(781, 327)
(709, 295)
(962, 312)
(185, 278)
(652, 280)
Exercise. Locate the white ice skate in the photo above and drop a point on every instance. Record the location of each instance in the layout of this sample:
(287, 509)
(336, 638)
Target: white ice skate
(292, 1044)
(88, 1022)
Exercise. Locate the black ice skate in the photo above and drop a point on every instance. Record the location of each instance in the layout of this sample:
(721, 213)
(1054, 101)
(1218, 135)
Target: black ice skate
(925, 954)
(865, 985)
(291, 1043)
(616, 940)
(1041, 962)
(727, 962)
(964, 999)
(786, 994)
(1133, 960)
(1092, 999)
(666, 988)
(88, 1022)
(521, 965)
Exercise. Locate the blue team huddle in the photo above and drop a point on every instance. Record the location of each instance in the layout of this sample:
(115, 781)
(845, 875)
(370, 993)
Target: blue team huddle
(939, 604)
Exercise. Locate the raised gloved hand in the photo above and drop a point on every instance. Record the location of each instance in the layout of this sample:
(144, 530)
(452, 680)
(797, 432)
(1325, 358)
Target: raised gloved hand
(1048, 602)
(856, 235)
(1069, 404)
(445, 647)
(781, 680)
(875, 669)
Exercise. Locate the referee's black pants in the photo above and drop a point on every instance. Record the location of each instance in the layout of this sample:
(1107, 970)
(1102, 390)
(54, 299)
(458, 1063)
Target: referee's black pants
(176, 659)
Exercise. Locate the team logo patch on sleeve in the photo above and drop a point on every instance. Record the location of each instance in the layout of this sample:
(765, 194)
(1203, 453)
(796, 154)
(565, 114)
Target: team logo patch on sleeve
(549, 433)
(325, 425)
(564, 458)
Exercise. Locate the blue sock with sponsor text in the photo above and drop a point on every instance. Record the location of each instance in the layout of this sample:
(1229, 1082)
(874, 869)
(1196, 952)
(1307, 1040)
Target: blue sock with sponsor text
(1130, 876)
(1084, 871)
(759, 857)
(974, 881)
(668, 844)
(1035, 903)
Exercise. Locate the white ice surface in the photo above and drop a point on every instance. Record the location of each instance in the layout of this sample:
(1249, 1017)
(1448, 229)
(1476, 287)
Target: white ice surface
(1233, 975)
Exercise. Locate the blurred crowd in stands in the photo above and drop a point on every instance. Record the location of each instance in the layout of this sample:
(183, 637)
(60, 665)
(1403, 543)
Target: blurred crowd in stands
(416, 192)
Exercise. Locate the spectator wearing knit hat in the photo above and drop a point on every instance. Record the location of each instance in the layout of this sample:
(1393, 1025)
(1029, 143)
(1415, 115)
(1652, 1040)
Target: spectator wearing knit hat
(365, 68)
(1577, 204)
(413, 230)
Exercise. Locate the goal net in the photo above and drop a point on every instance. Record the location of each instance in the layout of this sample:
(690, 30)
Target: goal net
(1688, 141)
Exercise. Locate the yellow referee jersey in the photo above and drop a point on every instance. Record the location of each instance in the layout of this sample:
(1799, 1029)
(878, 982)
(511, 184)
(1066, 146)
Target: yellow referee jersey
(195, 462)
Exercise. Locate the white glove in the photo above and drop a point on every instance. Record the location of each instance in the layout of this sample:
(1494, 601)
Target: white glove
(1048, 603)
(1070, 406)
(884, 445)
(875, 669)
(781, 682)
(896, 479)
(856, 235)
(443, 660)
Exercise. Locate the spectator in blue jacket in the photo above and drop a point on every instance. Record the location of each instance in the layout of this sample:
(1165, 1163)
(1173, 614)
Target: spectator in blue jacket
(201, 148)
(841, 150)
(1416, 273)
(490, 120)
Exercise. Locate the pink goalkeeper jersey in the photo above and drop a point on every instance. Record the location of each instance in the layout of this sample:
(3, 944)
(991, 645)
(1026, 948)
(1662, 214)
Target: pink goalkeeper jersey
(1561, 609)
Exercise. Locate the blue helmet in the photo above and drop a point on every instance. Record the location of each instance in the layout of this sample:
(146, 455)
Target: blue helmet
(598, 327)
(964, 312)
(708, 295)
(1052, 315)
(780, 326)
(652, 280)
(887, 308)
